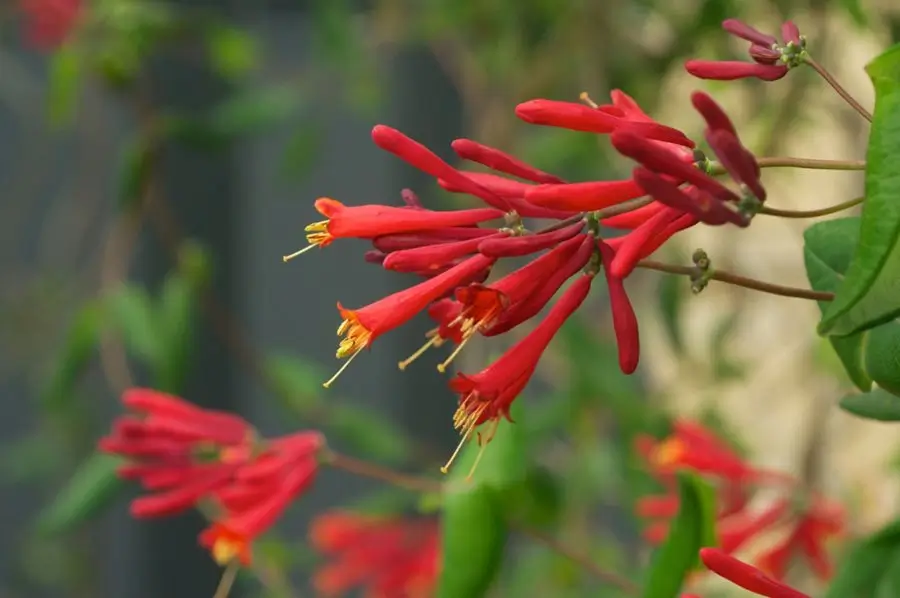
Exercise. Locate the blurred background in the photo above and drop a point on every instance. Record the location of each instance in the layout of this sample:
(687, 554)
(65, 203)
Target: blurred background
(158, 158)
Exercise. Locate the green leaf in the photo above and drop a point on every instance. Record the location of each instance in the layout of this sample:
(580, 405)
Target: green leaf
(175, 316)
(368, 432)
(878, 404)
(133, 173)
(537, 501)
(861, 570)
(133, 313)
(882, 356)
(473, 538)
(870, 292)
(889, 585)
(828, 252)
(92, 488)
(65, 84)
(233, 53)
(692, 529)
(671, 300)
(297, 383)
(254, 110)
(78, 349)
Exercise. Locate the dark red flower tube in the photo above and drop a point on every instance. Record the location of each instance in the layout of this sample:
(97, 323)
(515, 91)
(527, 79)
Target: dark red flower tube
(746, 576)
(501, 161)
(433, 257)
(727, 70)
(625, 322)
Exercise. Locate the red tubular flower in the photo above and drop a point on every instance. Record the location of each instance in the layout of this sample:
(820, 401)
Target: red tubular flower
(180, 451)
(362, 326)
(502, 186)
(527, 244)
(702, 205)
(631, 248)
(479, 307)
(501, 162)
(730, 70)
(694, 447)
(388, 557)
(401, 241)
(489, 394)
(260, 494)
(746, 576)
(625, 322)
(578, 117)
(433, 257)
(372, 221)
(49, 22)
(811, 529)
(771, 61)
(580, 197)
(541, 296)
(634, 218)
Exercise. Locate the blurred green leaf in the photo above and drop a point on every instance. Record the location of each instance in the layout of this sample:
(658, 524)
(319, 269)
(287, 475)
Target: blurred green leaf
(854, 8)
(232, 52)
(93, 487)
(28, 459)
(692, 529)
(864, 566)
(134, 317)
(302, 150)
(254, 110)
(78, 349)
(66, 73)
(878, 404)
(176, 311)
(538, 500)
(473, 538)
(889, 584)
(133, 172)
(368, 432)
(297, 382)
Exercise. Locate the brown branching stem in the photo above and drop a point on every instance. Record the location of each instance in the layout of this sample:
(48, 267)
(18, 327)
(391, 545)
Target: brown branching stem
(374, 471)
(812, 213)
(736, 280)
(810, 163)
(829, 78)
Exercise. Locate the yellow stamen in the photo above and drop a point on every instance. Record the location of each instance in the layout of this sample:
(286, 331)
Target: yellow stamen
(668, 453)
(434, 340)
(484, 443)
(469, 327)
(465, 422)
(356, 338)
(340, 371)
(587, 100)
(442, 367)
(317, 235)
(225, 550)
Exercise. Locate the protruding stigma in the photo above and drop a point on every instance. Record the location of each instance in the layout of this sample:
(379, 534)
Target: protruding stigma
(288, 258)
(341, 370)
(584, 97)
(434, 340)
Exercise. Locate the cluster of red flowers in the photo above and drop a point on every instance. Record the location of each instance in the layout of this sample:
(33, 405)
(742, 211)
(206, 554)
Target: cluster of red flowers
(188, 457)
(805, 520)
(454, 251)
(49, 22)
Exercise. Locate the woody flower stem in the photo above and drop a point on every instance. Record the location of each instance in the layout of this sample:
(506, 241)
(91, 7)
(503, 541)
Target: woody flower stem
(740, 281)
(838, 87)
(377, 472)
(812, 213)
(807, 163)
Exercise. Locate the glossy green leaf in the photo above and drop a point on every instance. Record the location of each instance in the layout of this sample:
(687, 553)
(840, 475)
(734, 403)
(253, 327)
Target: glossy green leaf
(78, 349)
(93, 487)
(65, 83)
(862, 569)
(133, 314)
(870, 292)
(828, 252)
(877, 404)
(473, 539)
(368, 432)
(692, 529)
(881, 355)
